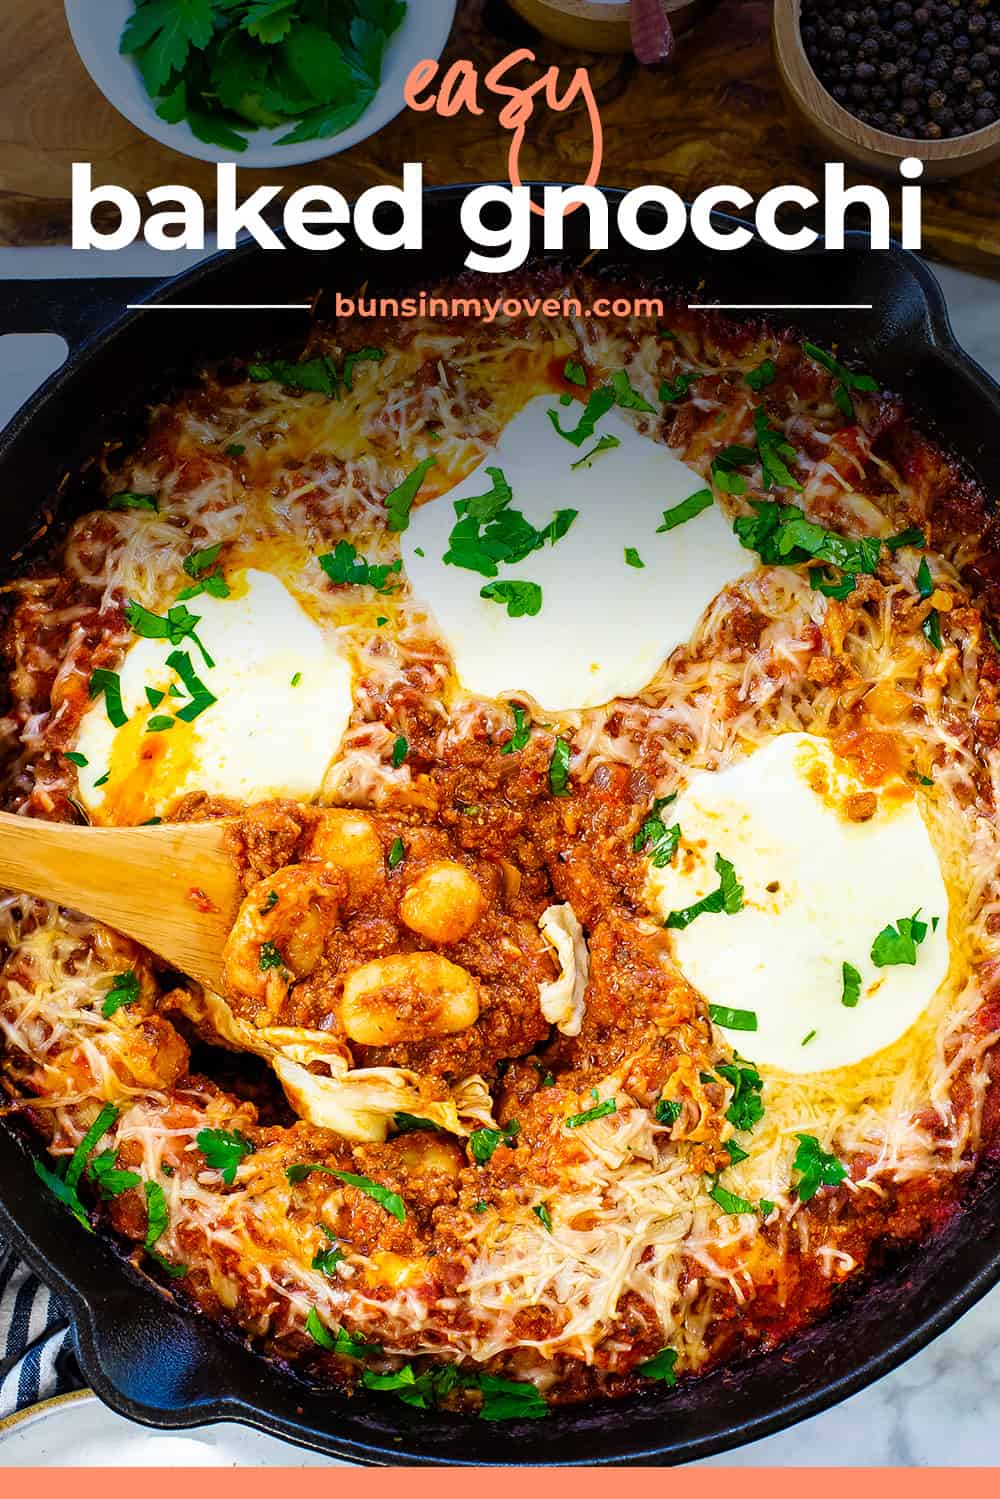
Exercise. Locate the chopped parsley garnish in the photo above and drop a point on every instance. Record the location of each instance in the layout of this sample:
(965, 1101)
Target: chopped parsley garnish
(103, 1170)
(391, 1201)
(845, 380)
(775, 453)
(911, 537)
(360, 356)
(559, 768)
(728, 1202)
(296, 679)
(574, 373)
(317, 375)
(235, 450)
(488, 533)
(76, 759)
(736, 1153)
(399, 502)
(520, 598)
(632, 558)
(745, 1107)
(103, 780)
(599, 1111)
(819, 578)
(270, 903)
(510, 1400)
(732, 1020)
(177, 625)
(543, 1215)
(672, 391)
(160, 724)
(851, 990)
(728, 899)
(124, 991)
(407, 1123)
(605, 444)
(208, 579)
(598, 406)
(201, 698)
(62, 1181)
(811, 1037)
(765, 374)
(686, 510)
(344, 566)
(726, 467)
(626, 395)
(346, 1344)
(662, 1366)
(484, 1143)
(925, 583)
(154, 696)
(898, 944)
(783, 537)
(816, 1167)
(129, 500)
(109, 682)
(932, 629)
(521, 736)
(301, 1172)
(655, 838)
(157, 1213)
(397, 853)
(667, 1111)
(269, 958)
(327, 1260)
(400, 750)
(223, 1151)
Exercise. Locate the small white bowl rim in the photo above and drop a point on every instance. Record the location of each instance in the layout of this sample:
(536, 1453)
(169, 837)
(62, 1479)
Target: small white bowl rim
(96, 27)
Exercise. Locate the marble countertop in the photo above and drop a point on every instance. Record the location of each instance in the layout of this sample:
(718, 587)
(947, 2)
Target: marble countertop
(939, 1409)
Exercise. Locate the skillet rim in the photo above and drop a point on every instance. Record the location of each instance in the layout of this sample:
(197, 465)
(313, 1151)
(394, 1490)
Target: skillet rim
(137, 1300)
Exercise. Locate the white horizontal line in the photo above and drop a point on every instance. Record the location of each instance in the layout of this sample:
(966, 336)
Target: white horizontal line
(219, 307)
(781, 307)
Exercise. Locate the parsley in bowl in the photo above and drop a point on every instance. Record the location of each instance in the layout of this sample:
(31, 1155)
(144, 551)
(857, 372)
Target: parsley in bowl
(262, 82)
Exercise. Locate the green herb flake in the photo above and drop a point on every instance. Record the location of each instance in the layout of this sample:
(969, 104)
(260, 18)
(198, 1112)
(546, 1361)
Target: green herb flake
(397, 853)
(75, 758)
(661, 1367)
(543, 1215)
(816, 1168)
(845, 380)
(327, 1260)
(851, 986)
(655, 838)
(124, 991)
(510, 1400)
(745, 1107)
(269, 958)
(897, 945)
(128, 500)
(157, 1214)
(932, 629)
(235, 450)
(400, 750)
(297, 678)
(729, 1202)
(109, 683)
(732, 1020)
(407, 1123)
(399, 502)
(385, 1198)
(727, 899)
(159, 724)
(783, 537)
(667, 1111)
(574, 373)
(736, 1153)
(559, 768)
(811, 1037)
(521, 598)
(687, 510)
(599, 1111)
(627, 396)
(726, 466)
(598, 406)
(925, 583)
(672, 391)
(911, 537)
(223, 1151)
(346, 568)
(632, 558)
(360, 356)
(103, 780)
(605, 444)
(765, 374)
(154, 696)
(521, 736)
(108, 1178)
(484, 1143)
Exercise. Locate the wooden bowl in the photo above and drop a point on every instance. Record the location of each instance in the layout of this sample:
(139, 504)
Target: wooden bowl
(598, 25)
(847, 138)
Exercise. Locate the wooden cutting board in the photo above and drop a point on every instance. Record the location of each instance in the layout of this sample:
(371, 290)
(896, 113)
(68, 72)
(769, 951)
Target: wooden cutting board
(717, 116)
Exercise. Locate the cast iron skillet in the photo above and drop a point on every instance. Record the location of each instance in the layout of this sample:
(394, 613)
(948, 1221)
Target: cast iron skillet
(170, 1369)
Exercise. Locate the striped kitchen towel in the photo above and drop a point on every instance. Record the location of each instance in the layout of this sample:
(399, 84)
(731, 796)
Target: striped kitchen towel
(36, 1340)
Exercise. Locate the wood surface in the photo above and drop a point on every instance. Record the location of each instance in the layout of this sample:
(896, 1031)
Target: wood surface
(172, 888)
(718, 115)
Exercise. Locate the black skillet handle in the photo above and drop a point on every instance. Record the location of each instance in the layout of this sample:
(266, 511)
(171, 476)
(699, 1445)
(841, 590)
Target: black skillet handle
(76, 310)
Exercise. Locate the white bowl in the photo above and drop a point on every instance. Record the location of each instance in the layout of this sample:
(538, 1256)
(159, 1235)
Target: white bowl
(96, 27)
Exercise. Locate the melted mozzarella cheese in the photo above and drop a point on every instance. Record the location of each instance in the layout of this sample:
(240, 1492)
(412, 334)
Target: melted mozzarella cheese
(605, 627)
(818, 890)
(262, 737)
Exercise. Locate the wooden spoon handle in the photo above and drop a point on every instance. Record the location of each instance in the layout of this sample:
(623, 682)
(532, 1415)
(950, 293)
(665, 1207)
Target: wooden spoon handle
(652, 33)
(172, 888)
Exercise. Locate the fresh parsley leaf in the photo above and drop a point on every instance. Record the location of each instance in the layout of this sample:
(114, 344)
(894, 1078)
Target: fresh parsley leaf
(319, 1333)
(105, 1121)
(632, 558)
(316, 375)
(732, 1020)
(327, 1260)
(128, 500)
(269, 957)
(662, 1366)
(399, 502)
(484, 1143)
(782, 536)
(397, 853)
(362, 356)
(543, 1215)
(672, 391)
(109, 682)
(599, 1111)
(201, 698)
(745, 1107)
(108, 1178)
(655, 838)
(846, 380)
(407, 1123)
(574, 373)
(559, 768)
(521, 736)
(851, 986)
(235, 450)
(64, 1194)
(301, 1172)
(816, 1167)
(667, 1111)
(124, 991)
(726, 467)
(897, 945)
(177, 625)
(161, 34)
(911, 537)
(776, 452)
(728, 1202)
(157, 1213)
(820, 579)
(344, 566)
(626, 395)
(154, 696)
(686, 510)
(197, 563)
(521, 598)
(104, 779)
(510, 1400)
(598, 406)
(400, 750)
(75, 759)
(765, 374)
(932, 629)
(605, 444)
(223, 1151)
(160, 724)
(385, 1198)
(728, 899)
(925, 583)
(736, 1153)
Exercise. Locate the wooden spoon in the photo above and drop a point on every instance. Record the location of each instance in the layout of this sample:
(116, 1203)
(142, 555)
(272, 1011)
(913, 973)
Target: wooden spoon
(171, 888)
